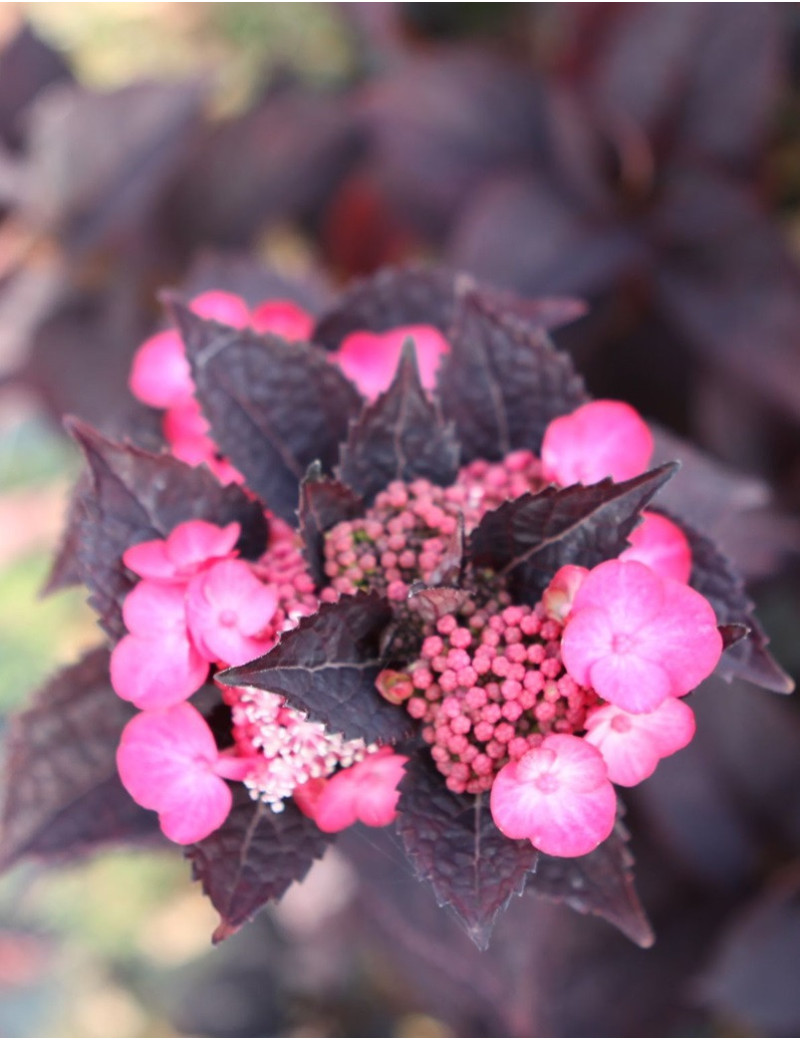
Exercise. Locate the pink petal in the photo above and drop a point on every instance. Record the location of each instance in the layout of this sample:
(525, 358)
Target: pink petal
(662, 546)
(370, 359)
(632, 745)
(226, 607)
(152, 610)
(150, 560)
(599, 439)
(166, 762)
(186, 422)
(335, 807)
(686, 639)
(194, 543)
(558, 796)
(629, 593)
(221, 306)
(160, 375)
(377, 795)
(284, 318)
(156, 673)
(630, 682)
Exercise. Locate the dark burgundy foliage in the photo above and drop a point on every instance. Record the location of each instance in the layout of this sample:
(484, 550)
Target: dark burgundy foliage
(66, 798)
(530, 537)
(503, 381)
(28, 66)
(324, 502)
(253, 389)
(454, 844)
(253, 858)
(132, 496)
(399, 437)
(715, 577)
(600, 883)
(327, 667)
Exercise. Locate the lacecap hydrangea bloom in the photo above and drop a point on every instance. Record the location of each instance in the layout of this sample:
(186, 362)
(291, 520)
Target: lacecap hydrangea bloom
(393, 568)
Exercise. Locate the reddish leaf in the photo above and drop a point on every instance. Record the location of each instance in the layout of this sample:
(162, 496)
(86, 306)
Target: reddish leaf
(400, 436)
(132, 496)
(323, 504)
(600, 883)
(274, 407)
(453, 843)
(253, 858)
(714, 576)
(503, 380)
(63, 796)
(327, 667)
(530, 537)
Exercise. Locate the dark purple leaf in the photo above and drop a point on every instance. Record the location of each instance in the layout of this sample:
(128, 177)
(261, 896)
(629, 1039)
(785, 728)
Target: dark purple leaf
(62, 793)
(388, 299)
(428, 296)
(453, 843)
(275, 407)
(714, 576)
(731, 634)
(292, 149)
(600, 883)
(530, 537)
(327, 667)
(323, 504)
(27, 66)
(522, 232)
(432, 603)
(503, 380)
(752, 978)
(728, 280)
(443, 122)
(90, 183)
(400, 436)
(253, 858)
(132, 496)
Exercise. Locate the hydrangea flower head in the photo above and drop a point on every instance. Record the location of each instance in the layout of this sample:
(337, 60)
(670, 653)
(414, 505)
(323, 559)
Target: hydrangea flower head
(438, 610)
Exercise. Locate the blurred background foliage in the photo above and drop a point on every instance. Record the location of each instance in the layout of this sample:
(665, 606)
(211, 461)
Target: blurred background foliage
(643, 157)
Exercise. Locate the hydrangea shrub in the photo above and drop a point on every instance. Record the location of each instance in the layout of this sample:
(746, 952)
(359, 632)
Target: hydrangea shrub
(393, 568)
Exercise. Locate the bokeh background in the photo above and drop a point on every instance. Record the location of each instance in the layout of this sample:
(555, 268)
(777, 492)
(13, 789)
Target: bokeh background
(642, 157)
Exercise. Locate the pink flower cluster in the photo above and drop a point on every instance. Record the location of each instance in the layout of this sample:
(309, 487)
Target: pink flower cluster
(198, 607)
(545, 707)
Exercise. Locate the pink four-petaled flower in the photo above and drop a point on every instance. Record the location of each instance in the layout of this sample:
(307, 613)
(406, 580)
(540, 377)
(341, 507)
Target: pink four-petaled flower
(558, 796)
(599, 439)
(370, 359)
(637, 638)
(168, 761)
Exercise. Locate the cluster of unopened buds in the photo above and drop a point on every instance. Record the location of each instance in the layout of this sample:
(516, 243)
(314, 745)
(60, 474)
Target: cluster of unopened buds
(545, 706)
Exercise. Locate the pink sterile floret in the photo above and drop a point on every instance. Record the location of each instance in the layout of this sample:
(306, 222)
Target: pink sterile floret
(187, 432)
(370, 358)
(160, 375)
(157, 665)
(283, 318)
(225, 307)
(638, 638)
(227, 612)
(168, 761)
(633, 744)
(184, 552)
(558, 796)
(599, 439)
(366, 791)
(662, 545)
